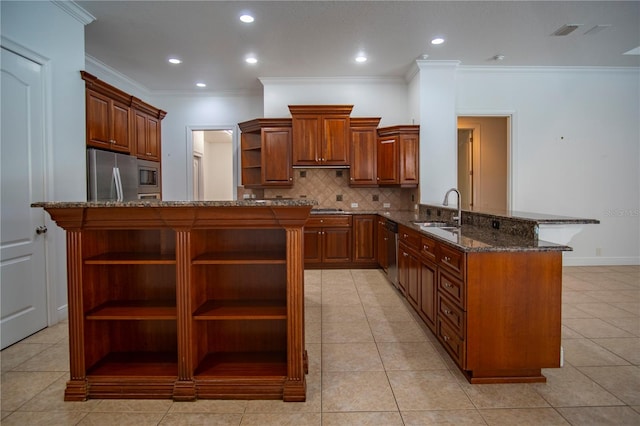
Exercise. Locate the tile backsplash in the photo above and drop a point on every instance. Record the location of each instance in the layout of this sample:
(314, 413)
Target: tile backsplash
(330, 187)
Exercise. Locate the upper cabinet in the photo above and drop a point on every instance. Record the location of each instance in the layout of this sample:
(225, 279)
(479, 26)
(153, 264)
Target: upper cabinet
(321, 135)
(108, 122)
(266, 153)
(363, 152)
(146, 130)
(398, 155)
(117, 121)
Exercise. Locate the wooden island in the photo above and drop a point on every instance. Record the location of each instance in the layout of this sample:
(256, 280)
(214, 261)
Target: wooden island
(185, 300)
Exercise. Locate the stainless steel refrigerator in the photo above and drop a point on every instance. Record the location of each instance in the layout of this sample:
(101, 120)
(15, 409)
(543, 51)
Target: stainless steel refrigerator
(111, 176)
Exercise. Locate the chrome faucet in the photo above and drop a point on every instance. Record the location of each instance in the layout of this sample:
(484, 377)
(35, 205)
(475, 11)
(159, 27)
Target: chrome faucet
(458, 218)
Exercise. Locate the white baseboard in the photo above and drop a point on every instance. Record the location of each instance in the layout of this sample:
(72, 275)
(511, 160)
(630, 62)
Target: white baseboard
(600, 261)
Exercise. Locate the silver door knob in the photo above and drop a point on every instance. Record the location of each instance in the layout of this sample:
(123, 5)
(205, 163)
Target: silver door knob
(41, 230)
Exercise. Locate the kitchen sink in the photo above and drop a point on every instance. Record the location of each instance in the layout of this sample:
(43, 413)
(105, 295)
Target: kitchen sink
(440, 225)
(432, 224)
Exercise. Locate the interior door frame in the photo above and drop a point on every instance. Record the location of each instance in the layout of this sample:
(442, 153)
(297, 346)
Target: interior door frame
(512, 122)
(190, 128)
(55, 241)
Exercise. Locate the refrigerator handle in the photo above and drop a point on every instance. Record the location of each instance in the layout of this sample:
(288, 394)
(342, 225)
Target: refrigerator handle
(116, 177)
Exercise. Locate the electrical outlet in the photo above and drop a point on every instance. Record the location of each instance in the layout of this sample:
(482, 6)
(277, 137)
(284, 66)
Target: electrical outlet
(386, 205)
(354, 205)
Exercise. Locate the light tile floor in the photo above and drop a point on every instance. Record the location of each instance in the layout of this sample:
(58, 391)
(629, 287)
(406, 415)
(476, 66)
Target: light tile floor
(373, 363)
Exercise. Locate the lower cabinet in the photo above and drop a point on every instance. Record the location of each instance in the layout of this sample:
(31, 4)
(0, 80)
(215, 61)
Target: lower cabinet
(327, 240)
(364, 240)
(341, 241)
(185, 303)
(497, 314)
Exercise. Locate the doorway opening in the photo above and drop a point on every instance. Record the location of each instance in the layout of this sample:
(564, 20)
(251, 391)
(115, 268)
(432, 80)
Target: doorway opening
(213, 165)
(483, 162)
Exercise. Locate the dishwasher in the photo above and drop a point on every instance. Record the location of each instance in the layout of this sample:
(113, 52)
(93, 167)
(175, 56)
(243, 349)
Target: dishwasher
(392, 252)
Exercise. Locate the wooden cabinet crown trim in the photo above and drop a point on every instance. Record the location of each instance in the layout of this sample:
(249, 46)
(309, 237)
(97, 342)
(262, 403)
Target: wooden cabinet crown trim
(321, 109)
(365, 121)
(257, 124)
(94, 83)
(396, 130)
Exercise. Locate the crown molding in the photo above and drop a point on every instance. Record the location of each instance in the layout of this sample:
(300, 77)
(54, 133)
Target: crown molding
(76, 11)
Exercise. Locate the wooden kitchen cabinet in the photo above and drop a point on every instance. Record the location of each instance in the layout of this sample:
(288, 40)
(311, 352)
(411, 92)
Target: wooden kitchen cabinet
(108, 122)
(364, 240)
(497, 314)
(320, 134)
(266, 153)
(398, 160)
(147, 130)
(185, 302)
(382, 238)
(117, 121)
(363, 138)
(327, 241)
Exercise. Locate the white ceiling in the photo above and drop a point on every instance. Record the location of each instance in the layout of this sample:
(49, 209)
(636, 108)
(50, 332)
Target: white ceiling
(321, 38)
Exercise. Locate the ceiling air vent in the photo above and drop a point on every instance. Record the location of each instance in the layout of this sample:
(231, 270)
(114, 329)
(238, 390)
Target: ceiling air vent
(565, 30)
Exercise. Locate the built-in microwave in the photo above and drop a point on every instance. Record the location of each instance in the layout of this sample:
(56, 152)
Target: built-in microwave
(148, 177)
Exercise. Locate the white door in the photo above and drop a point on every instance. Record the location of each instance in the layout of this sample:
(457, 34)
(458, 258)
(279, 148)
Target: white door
(23, 292)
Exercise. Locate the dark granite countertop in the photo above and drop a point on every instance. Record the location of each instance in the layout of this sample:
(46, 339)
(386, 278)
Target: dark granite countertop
(298, 202)
(468, 238)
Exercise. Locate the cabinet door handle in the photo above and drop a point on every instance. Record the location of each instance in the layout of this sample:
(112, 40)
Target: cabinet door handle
(426, 247)
(405, 254)
(447, 285)
(446, 338)
(41, 230)
(446, 259)
(448, 312)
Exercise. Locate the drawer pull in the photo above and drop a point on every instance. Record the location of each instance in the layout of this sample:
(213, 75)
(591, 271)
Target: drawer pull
(447, 285)
(446, 338)
(447, 311)
(446, 258)
(405, 254)
(425, 247)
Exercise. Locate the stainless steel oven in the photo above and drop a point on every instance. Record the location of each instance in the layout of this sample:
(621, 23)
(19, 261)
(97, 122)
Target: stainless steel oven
(149, 177)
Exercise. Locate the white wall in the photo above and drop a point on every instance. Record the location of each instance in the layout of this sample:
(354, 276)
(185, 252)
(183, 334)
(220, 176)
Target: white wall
(575, 148)
(49, 32)
(385, 98)
(218, 166)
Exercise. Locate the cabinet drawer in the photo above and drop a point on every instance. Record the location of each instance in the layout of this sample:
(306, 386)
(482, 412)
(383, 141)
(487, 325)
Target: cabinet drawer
(452, 313)
(453, 343)
(409, 237)
(452, 259)
(318, 221)
(428, 248)
(452, 287)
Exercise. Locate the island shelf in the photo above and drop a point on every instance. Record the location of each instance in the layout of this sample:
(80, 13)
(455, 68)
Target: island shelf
(185, 300)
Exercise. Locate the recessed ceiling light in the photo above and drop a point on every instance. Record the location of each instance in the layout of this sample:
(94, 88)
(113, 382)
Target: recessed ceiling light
(437, 40)
(247, 19)
(175, 61)
(361, 57)
(201, 85)
(251, 60)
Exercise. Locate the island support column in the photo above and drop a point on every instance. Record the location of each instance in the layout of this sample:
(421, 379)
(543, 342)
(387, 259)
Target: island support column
(295, 385)
(184, 389)
(76, 389)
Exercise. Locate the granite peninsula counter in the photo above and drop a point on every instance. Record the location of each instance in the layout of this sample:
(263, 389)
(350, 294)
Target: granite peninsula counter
(185, 300)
